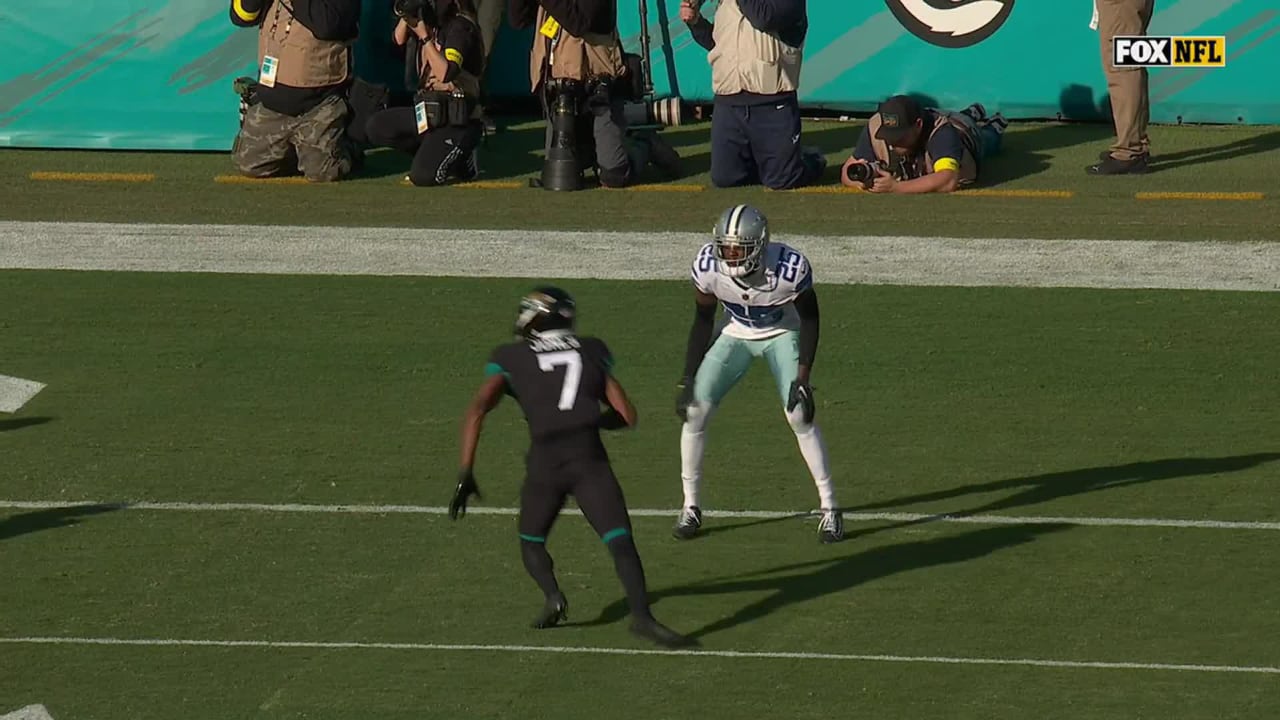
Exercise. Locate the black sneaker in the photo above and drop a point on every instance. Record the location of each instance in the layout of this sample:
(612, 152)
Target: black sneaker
(555, 611)
(977, 111)
(688, 524)
(467, 168)
(998, 122)
(656, 632)
(1111, 165)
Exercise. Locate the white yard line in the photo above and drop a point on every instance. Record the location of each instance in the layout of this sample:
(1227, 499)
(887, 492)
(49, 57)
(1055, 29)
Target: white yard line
(16, 392)
(1010, 262)
(734, 654)
(648, 512)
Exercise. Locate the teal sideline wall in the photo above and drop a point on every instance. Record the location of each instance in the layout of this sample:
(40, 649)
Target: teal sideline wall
(156, 74)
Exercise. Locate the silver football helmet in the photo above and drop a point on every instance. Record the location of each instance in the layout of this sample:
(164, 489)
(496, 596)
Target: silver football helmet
(741, 237)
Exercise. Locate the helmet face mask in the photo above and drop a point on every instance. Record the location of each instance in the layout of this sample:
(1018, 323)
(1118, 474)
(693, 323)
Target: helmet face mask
(741, 237)
(737, 257)
(545, 309)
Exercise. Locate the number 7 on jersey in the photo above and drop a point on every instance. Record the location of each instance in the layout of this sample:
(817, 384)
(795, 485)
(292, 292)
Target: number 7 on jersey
(572, 362)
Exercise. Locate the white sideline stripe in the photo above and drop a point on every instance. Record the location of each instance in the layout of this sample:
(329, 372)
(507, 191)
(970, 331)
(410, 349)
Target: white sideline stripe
(30, 712)
(16, 392)
(570, 650)
(917, 261)
(653, 512)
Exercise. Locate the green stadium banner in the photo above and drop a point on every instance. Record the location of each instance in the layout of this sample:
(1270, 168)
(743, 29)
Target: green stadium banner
(157, 74)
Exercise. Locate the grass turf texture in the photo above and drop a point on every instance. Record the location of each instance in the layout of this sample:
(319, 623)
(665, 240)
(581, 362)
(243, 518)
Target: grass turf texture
(348, 390)
(1036, 157)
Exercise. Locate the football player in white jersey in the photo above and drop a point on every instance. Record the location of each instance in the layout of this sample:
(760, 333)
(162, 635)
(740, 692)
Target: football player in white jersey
(771, 312)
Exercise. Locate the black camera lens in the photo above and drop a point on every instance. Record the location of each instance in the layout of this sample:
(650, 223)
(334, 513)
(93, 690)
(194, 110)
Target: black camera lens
(860, 173)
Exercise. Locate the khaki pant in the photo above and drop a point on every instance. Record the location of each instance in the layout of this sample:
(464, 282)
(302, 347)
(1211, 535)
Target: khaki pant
(489, 18)
(315, 143)
(1130, 105)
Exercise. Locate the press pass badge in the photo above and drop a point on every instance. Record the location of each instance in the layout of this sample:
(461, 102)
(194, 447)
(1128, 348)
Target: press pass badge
(420, 114)
(268, 75)
(550, 28)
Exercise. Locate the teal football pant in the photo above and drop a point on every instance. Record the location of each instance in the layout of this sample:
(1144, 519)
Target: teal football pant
(729, 358)
(725, 363)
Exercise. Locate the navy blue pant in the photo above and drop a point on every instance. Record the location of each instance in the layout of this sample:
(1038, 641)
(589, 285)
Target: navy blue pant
(758, 144)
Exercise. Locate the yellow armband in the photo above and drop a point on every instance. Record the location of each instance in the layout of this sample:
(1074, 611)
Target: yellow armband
(946, 164)
(237, 7)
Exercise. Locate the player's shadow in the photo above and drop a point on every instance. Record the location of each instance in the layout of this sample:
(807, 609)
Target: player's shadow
(1266, 142)
(789, 585)
(25, 523)
(1047, 487)
(19, 423)
(715, 528)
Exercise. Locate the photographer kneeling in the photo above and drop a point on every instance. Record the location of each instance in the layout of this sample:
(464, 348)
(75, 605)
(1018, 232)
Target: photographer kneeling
(443, 128)
(579, 71)
(294, 115)
(909, 149)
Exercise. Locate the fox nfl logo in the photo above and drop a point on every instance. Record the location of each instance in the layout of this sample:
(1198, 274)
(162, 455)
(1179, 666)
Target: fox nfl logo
(1169, 51)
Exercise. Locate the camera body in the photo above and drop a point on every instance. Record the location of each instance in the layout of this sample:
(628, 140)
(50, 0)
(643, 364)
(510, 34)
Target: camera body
(866, 173)
(414, 10)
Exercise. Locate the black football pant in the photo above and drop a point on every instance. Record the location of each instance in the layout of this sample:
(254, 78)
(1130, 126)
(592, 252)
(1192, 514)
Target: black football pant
(591, 482)
(436, 153)
(599, 496)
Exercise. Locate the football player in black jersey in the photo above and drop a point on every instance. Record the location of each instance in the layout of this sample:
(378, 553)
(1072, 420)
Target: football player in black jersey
(560, 381)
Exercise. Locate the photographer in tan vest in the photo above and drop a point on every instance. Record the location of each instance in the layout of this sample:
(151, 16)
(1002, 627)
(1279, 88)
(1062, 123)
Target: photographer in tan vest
(577, 53)
(443, 128)
(298, 117)
(756, 51)
(909, 149)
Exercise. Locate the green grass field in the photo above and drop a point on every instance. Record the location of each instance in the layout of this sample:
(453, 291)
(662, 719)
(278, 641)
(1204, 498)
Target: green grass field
(1052, 407)
(1036, 158)
(1060, 503)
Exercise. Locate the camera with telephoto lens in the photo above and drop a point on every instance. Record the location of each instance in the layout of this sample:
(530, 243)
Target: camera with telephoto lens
(666, 112)
(413, 10)
(865, 173)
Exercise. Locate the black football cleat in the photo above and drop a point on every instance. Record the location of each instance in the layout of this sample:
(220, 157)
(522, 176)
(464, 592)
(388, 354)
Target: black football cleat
(688, 524)
(656, 632)
(553, 613)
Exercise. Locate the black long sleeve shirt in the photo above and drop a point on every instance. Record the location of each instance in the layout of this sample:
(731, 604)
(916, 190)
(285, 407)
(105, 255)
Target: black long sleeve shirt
(786, 19)
(326, 19)
(577, 17)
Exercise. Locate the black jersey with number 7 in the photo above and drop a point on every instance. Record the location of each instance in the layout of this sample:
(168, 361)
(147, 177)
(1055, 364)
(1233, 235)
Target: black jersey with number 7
(559, 381)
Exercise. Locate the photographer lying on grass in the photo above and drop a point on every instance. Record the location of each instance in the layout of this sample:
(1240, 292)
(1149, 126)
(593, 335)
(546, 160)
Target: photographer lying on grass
(908, 149)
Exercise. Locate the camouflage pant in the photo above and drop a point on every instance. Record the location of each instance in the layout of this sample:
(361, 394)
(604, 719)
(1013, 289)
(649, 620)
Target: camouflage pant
(314, 143)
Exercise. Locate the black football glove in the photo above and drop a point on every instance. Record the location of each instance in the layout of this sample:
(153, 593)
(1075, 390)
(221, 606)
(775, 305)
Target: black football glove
(611, 419)
(684, 398)
(802, 395)
(465, 489)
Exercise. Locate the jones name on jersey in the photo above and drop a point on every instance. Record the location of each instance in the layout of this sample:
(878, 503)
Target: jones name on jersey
(765, 306)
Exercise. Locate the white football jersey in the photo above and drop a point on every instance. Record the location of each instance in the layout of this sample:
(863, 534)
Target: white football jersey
(767, 307)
